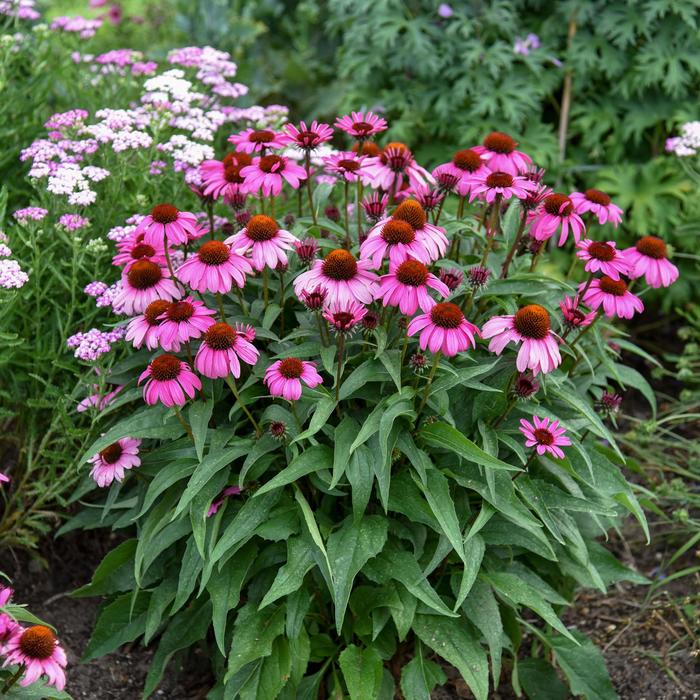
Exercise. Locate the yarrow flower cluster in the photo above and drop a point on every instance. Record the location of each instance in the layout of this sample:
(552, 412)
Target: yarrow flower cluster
(91, 345)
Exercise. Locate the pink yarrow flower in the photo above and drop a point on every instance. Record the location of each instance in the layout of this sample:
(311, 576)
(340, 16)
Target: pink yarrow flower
(504, 185)
(214, 268)
(265, 240)
(257, 140)
(599, 204)
(109, 464)
(284, 377)
(307, 137)
(360, 125)
(544, 436)
(649, 257)
(406, 286)
(170, 381)
(344, 278)
(167, 222)
(531, 327)
(38, 651)
(602, 257)
(554, 212)
(500, 152)
(407, 233)
(613, 296)
(222, 349)
(266, 174)
(444, 329)
(182, 321)
(144, 282)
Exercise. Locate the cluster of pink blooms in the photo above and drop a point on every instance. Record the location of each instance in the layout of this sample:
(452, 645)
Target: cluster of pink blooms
(91, 345)
(115, 62)
(19, 9)
(30, 214)
(11, 274)
(82, 26)
(73, 222)
(33, 650)
(688, 142)
(172, 284)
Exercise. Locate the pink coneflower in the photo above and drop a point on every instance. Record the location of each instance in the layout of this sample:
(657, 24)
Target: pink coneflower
(284, 377)
(525, 386)
(224, 178)
(109, 464)
(406, 286)
(444, 329)
(599, 203)
(134, 248)
(609, 403)
(613, 296)
(574, 316)
(462, 172)
(277, 430)
(257, 140)
(167, 221)
(222, 347)
(451, 278)
(144, 282)
(168, 380)
(478, 276)
(226, 493)
(375, 205)
(649, 257)
(214, 268)
(602, 257)
(347, 166)
(495, 184)
(183, 321)
(407, 233)
(501, 155)
(145, 329)
(307, 250)
(38, 651)
(428, 197)
(544, 436)
(556, 210)
(5, 594)
(531, 327)
(245, 330)
(344, 278)
(4, 479)
(315, 299)
(266, 241)
(360, 125)
(307, 137)
(343, 317)
(265, 174)
(387, 171)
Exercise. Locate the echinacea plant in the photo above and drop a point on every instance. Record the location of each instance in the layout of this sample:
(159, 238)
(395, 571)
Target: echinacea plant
(368, 447)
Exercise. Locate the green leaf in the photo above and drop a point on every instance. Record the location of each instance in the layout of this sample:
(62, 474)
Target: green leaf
(540, 681)
(314, 532)
(313, 459)
(117, 624)
(443, 435)
(253, 512)
(518, 592)
(210, 465)
(418, 678)
(290, 575)
(343, 437)
(349, 549)
(323, 410)
(361, 477)
(253, 635)
(115, 572)
(199, 414)
(584, 666)
(482, 611)
(362, 671)
(454, 641)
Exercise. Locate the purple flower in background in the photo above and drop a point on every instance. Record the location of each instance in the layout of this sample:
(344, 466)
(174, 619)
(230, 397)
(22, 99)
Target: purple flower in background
(529, 43)
(30, 214)
(445, 11)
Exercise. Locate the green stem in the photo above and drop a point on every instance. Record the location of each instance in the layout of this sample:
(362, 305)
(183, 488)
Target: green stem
(220, 302)
(281, 304)
(234, 391)
(184, 423)
(358, 209)
(514, 247)
(241, 300)
(339, 370)
(210, 215)
(493, 232)
(346, 190)
(438, 213)
(265, 291)
(320, 328)
(426, 392)
(308, 188)
(12, 680)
